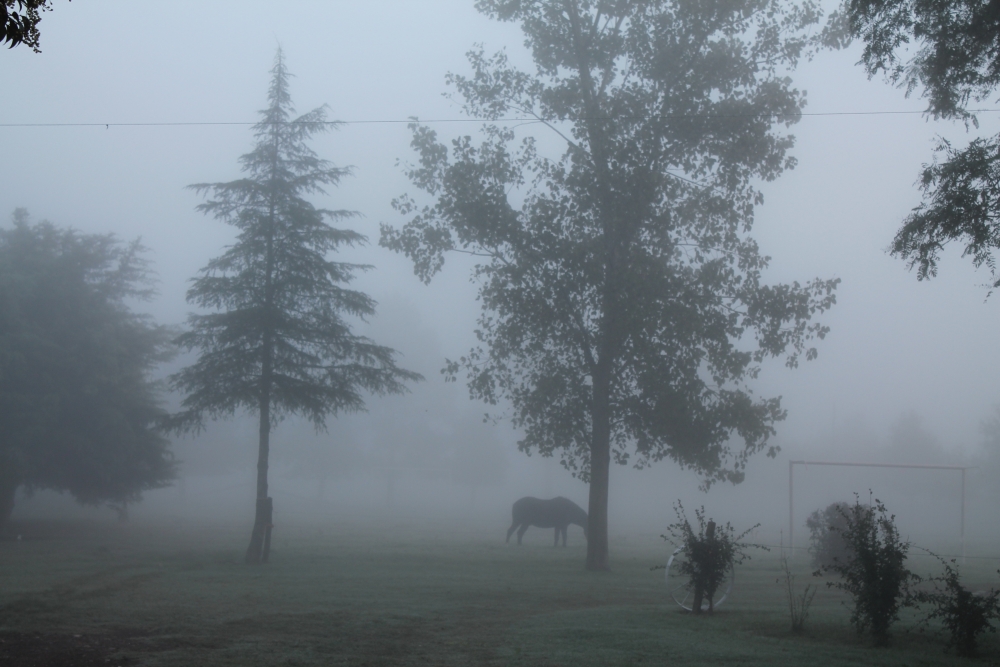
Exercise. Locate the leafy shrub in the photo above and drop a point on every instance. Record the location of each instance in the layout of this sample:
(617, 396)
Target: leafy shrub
(709, 553)
(965, 614)
(826, 535)
(875, 574)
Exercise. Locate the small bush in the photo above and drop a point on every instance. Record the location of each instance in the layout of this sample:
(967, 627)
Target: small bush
(826, 535)
(709, 554)
(875, 574)
(798, 605)
(965, 614)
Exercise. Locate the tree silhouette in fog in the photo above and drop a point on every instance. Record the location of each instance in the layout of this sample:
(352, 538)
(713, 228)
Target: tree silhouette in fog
(78, 410)
(624, 307)
(275, 339)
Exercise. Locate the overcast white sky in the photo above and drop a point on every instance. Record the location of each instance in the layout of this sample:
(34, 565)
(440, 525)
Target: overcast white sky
(896, 344)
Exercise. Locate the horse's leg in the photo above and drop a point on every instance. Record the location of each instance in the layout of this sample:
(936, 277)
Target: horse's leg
(510, 531)
(521, 532)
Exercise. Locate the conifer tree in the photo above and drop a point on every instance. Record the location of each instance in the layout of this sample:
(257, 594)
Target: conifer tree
(272, 337)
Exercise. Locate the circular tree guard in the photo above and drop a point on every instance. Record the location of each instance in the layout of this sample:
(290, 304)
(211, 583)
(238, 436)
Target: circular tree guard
(682, 591)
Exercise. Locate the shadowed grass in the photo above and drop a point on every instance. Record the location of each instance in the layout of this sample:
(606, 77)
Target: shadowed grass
(353, 595)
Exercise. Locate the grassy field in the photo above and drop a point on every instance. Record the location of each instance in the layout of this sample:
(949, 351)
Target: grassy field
(97, 594)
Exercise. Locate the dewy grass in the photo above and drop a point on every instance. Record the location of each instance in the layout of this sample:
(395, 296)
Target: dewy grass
(399, 595)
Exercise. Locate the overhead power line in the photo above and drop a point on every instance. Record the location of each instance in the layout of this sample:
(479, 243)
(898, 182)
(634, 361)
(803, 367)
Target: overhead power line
(526, 119)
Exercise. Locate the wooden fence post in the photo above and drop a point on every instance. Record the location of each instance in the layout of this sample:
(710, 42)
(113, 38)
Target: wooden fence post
(699, 589)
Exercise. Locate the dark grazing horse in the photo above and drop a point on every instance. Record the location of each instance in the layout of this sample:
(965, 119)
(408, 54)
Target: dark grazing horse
(557, 513)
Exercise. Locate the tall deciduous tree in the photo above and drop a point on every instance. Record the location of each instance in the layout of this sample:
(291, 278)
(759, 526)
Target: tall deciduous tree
(624, 309)
(78, 410)
(950, 52)
(277, 341)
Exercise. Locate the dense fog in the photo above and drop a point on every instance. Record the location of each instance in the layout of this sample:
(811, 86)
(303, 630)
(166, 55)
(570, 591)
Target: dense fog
(128, 103)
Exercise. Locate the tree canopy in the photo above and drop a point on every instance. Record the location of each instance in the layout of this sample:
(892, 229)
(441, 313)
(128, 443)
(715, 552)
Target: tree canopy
(273, 337)
(78, 408)
(19, 21)
(950, 53)
(624, 306)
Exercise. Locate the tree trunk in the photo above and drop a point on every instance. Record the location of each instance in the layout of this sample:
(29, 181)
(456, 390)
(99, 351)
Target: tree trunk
(262, 516)
(256, 551)
(595, 122)
(9, 482)
(600, 467)
(597, 511)
(699, 598)
(268, 525)
(710, 538)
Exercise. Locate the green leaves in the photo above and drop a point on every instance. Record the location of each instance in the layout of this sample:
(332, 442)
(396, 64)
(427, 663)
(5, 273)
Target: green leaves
(19, 21)
(708, 555)
(966, 614)
(948, 50)
(954, 52)
(874, 573)
(623, 306)
(960, 204)
(278, 332)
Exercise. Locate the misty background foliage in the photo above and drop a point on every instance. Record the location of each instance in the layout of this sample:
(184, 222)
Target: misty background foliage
(79, 408)
(826, 535)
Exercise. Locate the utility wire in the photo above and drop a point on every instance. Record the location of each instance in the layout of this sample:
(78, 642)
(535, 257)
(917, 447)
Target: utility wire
(483, 120)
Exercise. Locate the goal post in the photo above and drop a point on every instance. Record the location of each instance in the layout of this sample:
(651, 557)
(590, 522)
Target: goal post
(791, 494)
